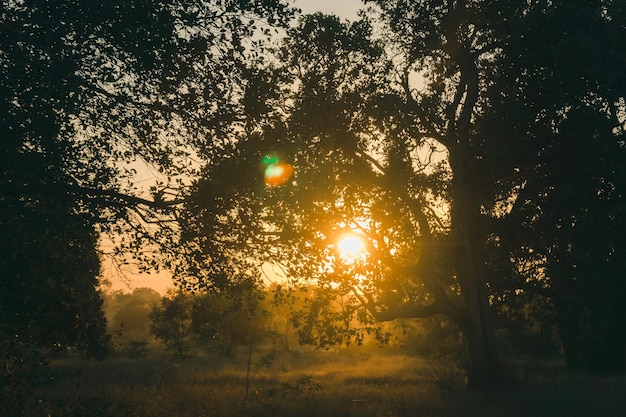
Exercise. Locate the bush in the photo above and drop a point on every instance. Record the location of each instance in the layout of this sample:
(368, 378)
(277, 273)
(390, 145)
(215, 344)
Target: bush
(135, 349)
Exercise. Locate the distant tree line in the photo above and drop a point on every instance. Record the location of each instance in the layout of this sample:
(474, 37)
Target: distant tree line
(274, 319)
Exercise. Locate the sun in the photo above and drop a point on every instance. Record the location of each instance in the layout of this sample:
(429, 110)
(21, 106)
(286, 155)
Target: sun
(351, 247)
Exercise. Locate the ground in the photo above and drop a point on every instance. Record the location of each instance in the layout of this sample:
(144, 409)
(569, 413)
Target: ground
(346, 383)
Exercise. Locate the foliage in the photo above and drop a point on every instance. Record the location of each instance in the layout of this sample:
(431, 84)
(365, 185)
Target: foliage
(479, 164)
(223, 322)
(442, 140)
(170, 321)
(135, 349)
(90, 93)
(216, 323)
(569, 127)
(49, 273)
(93, 91)
(49, 304)
(127, 313)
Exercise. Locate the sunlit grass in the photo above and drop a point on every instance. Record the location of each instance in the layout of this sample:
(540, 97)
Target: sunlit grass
(347, 383)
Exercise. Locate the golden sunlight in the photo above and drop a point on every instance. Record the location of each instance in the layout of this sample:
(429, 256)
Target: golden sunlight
(350, 246)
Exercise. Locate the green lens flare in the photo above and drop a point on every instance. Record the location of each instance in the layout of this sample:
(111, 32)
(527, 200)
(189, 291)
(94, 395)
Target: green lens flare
(274, 171)
(270, 159)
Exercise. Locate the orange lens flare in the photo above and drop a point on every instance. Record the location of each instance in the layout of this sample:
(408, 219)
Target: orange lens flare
(276, 172)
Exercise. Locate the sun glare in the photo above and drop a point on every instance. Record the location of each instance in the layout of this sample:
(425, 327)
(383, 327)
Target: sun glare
(350, 247)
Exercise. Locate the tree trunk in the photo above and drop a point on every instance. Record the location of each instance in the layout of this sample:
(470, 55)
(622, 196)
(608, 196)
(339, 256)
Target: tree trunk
(569, 328)
(484, 367)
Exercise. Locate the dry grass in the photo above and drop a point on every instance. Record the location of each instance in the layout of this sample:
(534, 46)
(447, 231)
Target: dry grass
(312, 384)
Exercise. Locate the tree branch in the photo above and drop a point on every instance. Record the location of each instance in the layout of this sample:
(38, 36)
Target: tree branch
(430, 129)
(118, 197)
(410, 310)
(110, 197)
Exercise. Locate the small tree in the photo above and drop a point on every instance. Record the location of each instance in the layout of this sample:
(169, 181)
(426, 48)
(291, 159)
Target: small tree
(127, 314)
(237, 317)
(171, 322)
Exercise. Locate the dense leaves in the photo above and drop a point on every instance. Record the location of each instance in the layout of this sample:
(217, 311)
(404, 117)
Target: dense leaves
(475, 146)
(95, 97)
(568, 125)
(213, 323)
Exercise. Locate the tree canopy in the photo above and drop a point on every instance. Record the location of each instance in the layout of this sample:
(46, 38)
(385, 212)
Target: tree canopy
(441, 134)
(91, 94)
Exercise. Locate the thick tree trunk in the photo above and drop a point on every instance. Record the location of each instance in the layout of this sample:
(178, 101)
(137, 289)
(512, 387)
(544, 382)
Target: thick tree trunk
(484, 367)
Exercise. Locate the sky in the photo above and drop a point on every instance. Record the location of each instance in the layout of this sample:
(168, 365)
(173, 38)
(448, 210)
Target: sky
(127, 280)
(345, 9)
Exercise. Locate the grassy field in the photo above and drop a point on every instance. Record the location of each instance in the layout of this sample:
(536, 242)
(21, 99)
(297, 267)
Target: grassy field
(350, 383)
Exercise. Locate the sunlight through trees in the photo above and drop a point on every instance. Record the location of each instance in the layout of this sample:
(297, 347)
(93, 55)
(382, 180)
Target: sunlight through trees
(350, 247)
(458, 163)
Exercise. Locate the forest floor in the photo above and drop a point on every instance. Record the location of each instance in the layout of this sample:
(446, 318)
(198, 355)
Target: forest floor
(311, 384)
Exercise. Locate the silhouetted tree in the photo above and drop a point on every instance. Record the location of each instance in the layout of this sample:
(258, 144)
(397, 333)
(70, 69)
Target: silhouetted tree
(217, 322)
(90, 93)
(49, 302)
(560, 109)
(410, 141)
(170, 321)
(89, 88)
(127, 313)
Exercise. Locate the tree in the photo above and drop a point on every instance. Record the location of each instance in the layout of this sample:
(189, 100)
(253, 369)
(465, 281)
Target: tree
(218, 322)
(52, 304)
(443, 257)
(226, 320)
(127, 313)
(569, 124)
(406, 141)
(343, 109)
(49, 303)
(123, 85)
(91, 93)
(170, 321)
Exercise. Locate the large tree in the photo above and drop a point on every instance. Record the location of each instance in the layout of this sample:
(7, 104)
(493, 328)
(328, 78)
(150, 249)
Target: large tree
(561, 107)
(424, 142)
(90, 94)
(366, 165)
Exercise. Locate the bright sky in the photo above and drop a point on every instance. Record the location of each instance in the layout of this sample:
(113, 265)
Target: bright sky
(346, 9)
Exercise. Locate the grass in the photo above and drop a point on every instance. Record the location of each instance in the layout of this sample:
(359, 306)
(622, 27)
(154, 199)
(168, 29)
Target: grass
(350, 383)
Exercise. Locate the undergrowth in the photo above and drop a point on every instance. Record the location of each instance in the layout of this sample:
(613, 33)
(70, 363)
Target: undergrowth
(310, 384)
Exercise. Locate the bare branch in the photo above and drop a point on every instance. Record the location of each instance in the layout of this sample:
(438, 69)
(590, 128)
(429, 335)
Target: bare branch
(117, 198)
(368, 158)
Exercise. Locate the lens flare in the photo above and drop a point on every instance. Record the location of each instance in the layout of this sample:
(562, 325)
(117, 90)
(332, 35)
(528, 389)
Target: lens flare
(270, 159)
(276, 172)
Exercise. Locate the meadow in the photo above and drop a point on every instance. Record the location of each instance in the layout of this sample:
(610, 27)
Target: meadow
(342, 383)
